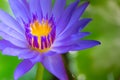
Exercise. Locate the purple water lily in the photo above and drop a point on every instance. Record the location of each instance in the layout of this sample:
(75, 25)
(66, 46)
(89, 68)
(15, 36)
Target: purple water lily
(41, 33)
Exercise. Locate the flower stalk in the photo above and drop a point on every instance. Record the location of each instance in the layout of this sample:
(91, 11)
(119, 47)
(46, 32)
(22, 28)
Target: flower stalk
(40, 72)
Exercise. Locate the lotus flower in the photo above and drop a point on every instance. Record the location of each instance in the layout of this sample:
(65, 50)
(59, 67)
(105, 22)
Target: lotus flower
(40, 32)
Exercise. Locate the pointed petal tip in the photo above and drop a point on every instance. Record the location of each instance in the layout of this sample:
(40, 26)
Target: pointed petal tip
(90, 19)
(22, 68)
(87, 19)
(97, 43)
(88, 33)
(85, 4)
(78, 0)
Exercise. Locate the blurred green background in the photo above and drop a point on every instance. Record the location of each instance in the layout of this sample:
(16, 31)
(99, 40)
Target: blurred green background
(98, 63)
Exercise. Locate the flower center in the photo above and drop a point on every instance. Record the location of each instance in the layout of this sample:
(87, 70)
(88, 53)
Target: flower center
(41, 35)
(40, 29)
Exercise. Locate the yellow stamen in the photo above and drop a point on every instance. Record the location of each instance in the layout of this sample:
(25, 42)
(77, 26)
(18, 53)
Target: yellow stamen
(40, 29)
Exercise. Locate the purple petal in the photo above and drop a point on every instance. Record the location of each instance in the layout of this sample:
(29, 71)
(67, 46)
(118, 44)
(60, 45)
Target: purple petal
(12, 51)
(49, 53)
(46, 6)
(9, 21)
(20, 10)
(78, 12)
(20, 52)
(58, 8)
(8, 30)
(25, 3)
(36, 9)
(74, 28)
(4, 44)
(14, 41)
(27, 54)
(84, 22)
(55, 65)
(64, 20)
(37, 58)
(83, 44)
(70, 40)
(62, 49)
(40, 56)
(23, 68)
